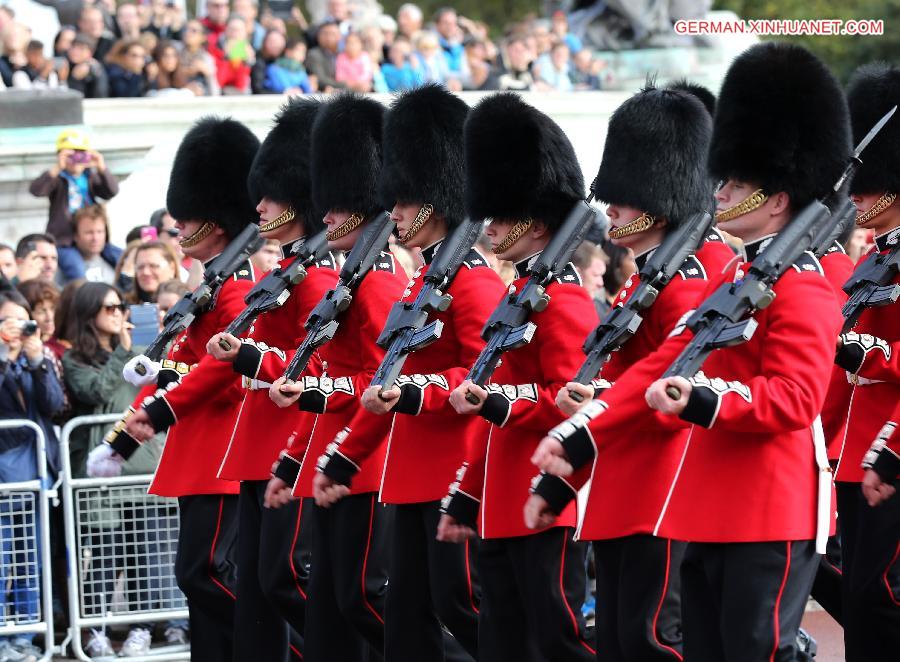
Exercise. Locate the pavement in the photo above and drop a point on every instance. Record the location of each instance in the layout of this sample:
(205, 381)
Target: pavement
(827, 633)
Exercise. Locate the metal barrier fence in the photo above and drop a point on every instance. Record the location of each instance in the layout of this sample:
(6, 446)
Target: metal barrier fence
(25, 582)
(121, 544)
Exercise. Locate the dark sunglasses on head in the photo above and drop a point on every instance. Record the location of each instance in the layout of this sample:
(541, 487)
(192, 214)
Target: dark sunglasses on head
(111, 308)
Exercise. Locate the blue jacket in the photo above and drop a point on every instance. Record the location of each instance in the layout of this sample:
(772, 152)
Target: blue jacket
(71, 262)
(32, 392)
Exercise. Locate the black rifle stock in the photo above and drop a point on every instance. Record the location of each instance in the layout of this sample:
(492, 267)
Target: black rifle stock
(323, 320)
(183, 313)
(406, 329)
(508, 327)
(622, 323)
(273, 290)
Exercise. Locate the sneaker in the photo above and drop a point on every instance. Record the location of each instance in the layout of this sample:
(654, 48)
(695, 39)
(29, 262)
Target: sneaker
(10, 654)
(137, 643)
(806, 645)
(175, 636)
(99, 645)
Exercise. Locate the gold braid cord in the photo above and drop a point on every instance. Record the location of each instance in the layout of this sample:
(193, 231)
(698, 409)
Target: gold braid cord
(345, 228)
(880, 205)
(421, 218)
(520, 228)
(753, 201)
(201, 234)
(283, 218)
(641, 224)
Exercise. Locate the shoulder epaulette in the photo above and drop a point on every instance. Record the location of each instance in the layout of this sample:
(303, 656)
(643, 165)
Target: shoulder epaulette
(327, 262)
(692, 268)
(475, 259)
(244, 272)
(569, 275)
(715, 235)
(808, 262)
(836, 247)
(385, 262)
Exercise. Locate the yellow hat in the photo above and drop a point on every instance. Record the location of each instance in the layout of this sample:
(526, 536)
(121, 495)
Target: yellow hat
(72, 139)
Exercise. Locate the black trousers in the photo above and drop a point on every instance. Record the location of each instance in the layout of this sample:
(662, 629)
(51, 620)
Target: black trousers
(743, 602)
(871, 575)
(432, 583)
(827, 587)
(205, 569)
(638, 599)
(348, 581)
(532, 588)
(272, 579)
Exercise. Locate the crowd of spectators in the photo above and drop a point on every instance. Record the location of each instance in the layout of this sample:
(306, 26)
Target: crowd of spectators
(153, 48)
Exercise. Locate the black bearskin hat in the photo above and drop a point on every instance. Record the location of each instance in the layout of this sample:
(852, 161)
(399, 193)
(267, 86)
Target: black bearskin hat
(782, 123)
(873, 90)
(707, 98)
(346, 154)
(519, 163)
(654, 158)
(423, 151)
(281, 170)
(209, 175)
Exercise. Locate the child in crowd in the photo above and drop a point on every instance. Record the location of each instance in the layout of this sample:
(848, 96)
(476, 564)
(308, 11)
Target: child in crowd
(287, 74)
(354, 65)
(401, 71)
(235, 58)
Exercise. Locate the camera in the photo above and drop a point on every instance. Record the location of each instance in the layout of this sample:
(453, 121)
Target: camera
(29, 328)
(80, 156)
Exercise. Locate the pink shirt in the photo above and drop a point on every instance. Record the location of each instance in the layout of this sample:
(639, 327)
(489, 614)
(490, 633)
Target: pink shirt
(348, 70)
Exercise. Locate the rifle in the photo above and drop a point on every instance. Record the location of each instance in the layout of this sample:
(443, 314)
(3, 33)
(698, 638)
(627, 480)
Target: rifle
(323, 322)
(622, 323)
(273, 290)
(869, 286)
(405, 330)
(508, 327)
(183, 313)
(725, 318)
(845, 212)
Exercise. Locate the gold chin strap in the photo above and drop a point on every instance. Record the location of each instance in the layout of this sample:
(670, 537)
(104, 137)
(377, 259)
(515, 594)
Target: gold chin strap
(520, 228)
(641, 224)
(202, 233)
(421, 218)
(880, 205)
(283, 218)
(753, 201)
(345, 228)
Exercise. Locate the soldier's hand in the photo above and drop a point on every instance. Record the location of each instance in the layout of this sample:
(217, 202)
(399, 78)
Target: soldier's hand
(284, 394)
(565, 401)
(537, 513)
(658, 399)
(327, 492)
(138, 426)
(215, 347)
(458, 398)
(278, 493)
(875, 490)
(379, 402)
(551, 458)
(449, 529)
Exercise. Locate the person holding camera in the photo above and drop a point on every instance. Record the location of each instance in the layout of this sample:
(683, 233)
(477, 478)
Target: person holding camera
(77, 179)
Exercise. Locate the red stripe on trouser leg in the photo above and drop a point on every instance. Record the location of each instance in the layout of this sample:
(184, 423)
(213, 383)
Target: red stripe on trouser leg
(212, 551)
(787, 570)
(469, 580)
(662, 599)
(291, 552)
(362, 580)
(562, 591)
(884, 577)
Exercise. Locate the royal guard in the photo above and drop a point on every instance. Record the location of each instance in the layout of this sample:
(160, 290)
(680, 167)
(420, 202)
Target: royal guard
(522, 173)
(882, 463)
(868, 353)
(348, 578)
(431, 583)
(271, 594)
(208, 198)
(660, 136)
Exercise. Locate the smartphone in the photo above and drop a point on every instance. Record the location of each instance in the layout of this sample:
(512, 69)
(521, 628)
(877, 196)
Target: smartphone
(145, 318)
(80, 156)
(149, 233)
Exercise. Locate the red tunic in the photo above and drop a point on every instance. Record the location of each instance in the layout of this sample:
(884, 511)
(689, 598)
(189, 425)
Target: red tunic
(204, 405)
(871, 356)
(429, 443)
(351, 357)
(884, 454)
(262, 428)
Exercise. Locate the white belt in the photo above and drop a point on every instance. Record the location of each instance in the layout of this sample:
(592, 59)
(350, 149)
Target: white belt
(255, 384)
(823, 498)
(856, 380)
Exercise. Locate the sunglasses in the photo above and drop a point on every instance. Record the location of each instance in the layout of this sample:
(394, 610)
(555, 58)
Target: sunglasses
(172, 232)
(111, 308)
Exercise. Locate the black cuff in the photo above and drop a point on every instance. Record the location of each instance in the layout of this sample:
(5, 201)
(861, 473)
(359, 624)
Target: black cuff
(702, 407)
(462, 507)
(579, 448)
(312, 400)
(160, 414)
(496, 409)
(339, 469)
(287, 469)
(411, 398)
(850, 357)
(124, 444)
(556, 492)
(167, 376)
(887, 465)
(248, 360)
